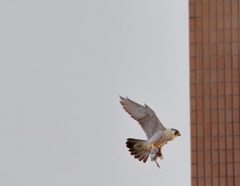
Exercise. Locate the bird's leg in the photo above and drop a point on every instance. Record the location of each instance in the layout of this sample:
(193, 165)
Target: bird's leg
(160, 153)
(157, 164)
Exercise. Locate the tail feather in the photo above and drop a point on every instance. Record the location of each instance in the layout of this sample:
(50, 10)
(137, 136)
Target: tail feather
(144, 157)
(138, 149)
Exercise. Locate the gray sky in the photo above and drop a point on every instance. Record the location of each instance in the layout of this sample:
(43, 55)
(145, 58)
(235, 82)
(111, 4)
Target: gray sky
(63, 65)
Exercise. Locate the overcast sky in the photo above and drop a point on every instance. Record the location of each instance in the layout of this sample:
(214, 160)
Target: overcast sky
(63, 66)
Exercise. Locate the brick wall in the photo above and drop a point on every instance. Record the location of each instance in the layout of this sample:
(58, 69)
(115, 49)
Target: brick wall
(215, 88)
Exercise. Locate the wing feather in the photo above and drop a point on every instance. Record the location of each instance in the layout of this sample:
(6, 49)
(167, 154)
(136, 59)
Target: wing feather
(145, 116)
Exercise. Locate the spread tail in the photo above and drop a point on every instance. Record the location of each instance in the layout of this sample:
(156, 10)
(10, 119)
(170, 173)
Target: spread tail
(138, 149)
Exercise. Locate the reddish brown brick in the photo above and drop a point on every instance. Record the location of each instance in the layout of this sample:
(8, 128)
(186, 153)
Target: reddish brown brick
(207, 143)
(215, 180)
(200, 155)
(222, 129)
(222, 145)
(213, 36)
(194, 157)
(200, 170)
(228, 75)
(237, 179)
(194, 143)
(194, 170)
(222, 155)
(221, 102)
(229, 114)
(236, 115)
(215, 156)
(220, 22)
(237, 155)
(215, 144)
(230, 180)
(235, 76)
(206, 49)
(221, 89)
(213, 10)
(193, 117)
(237, 168)
(214, 62)
(214, 76)
(193, 63)
(213, 49)
(199, 76)
(207, 129)
(215, 169)
(214, 116)
(236, 89)
(192, 12)
(206, 63)
(206, 74)
(220, 9)
(227, 22)
(206, 36)
(228, 102)
(199, 116)
(208, 170)
(199, 50)
(192, 90)
(223, 179)
(192, 50)
(193, 103)
(235, 49)
(208, 156)
(236, 128)
(229, 127)
(207, 116)
(228, 88)
(213, 23)
(214, 89)
(200, 143)
(235, 21)
(194, 181)
(235, 102)
(205, 9)
(234, 9)
(199, 36)
(200, 130)
(230, 169)
(199, 23)
(192, 24)
(198, 10)
(230, 155)
(229, 142)
(227, 9)
(199, 90)
(236, 142)
(222, 117)
(235, 35)
(227, 35)
(205, 23)
(223, 171)
(227, 49)
(220, 36)
(220, 49)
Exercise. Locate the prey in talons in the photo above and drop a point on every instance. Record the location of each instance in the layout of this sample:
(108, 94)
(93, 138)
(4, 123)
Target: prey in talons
(155, 154)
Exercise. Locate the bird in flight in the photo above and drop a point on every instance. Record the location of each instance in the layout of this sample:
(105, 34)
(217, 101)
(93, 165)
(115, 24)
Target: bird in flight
(157, 134)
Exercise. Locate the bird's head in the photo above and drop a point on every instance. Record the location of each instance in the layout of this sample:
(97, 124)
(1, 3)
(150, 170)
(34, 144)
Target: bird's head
(176, 132)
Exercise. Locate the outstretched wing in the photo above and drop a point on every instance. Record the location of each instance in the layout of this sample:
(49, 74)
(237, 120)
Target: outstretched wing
(145, 116)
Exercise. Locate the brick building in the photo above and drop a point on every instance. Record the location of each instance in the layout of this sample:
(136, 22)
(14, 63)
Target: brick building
(214, 90)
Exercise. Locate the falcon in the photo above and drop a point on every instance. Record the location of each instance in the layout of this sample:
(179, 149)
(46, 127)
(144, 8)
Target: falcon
(157, 134)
